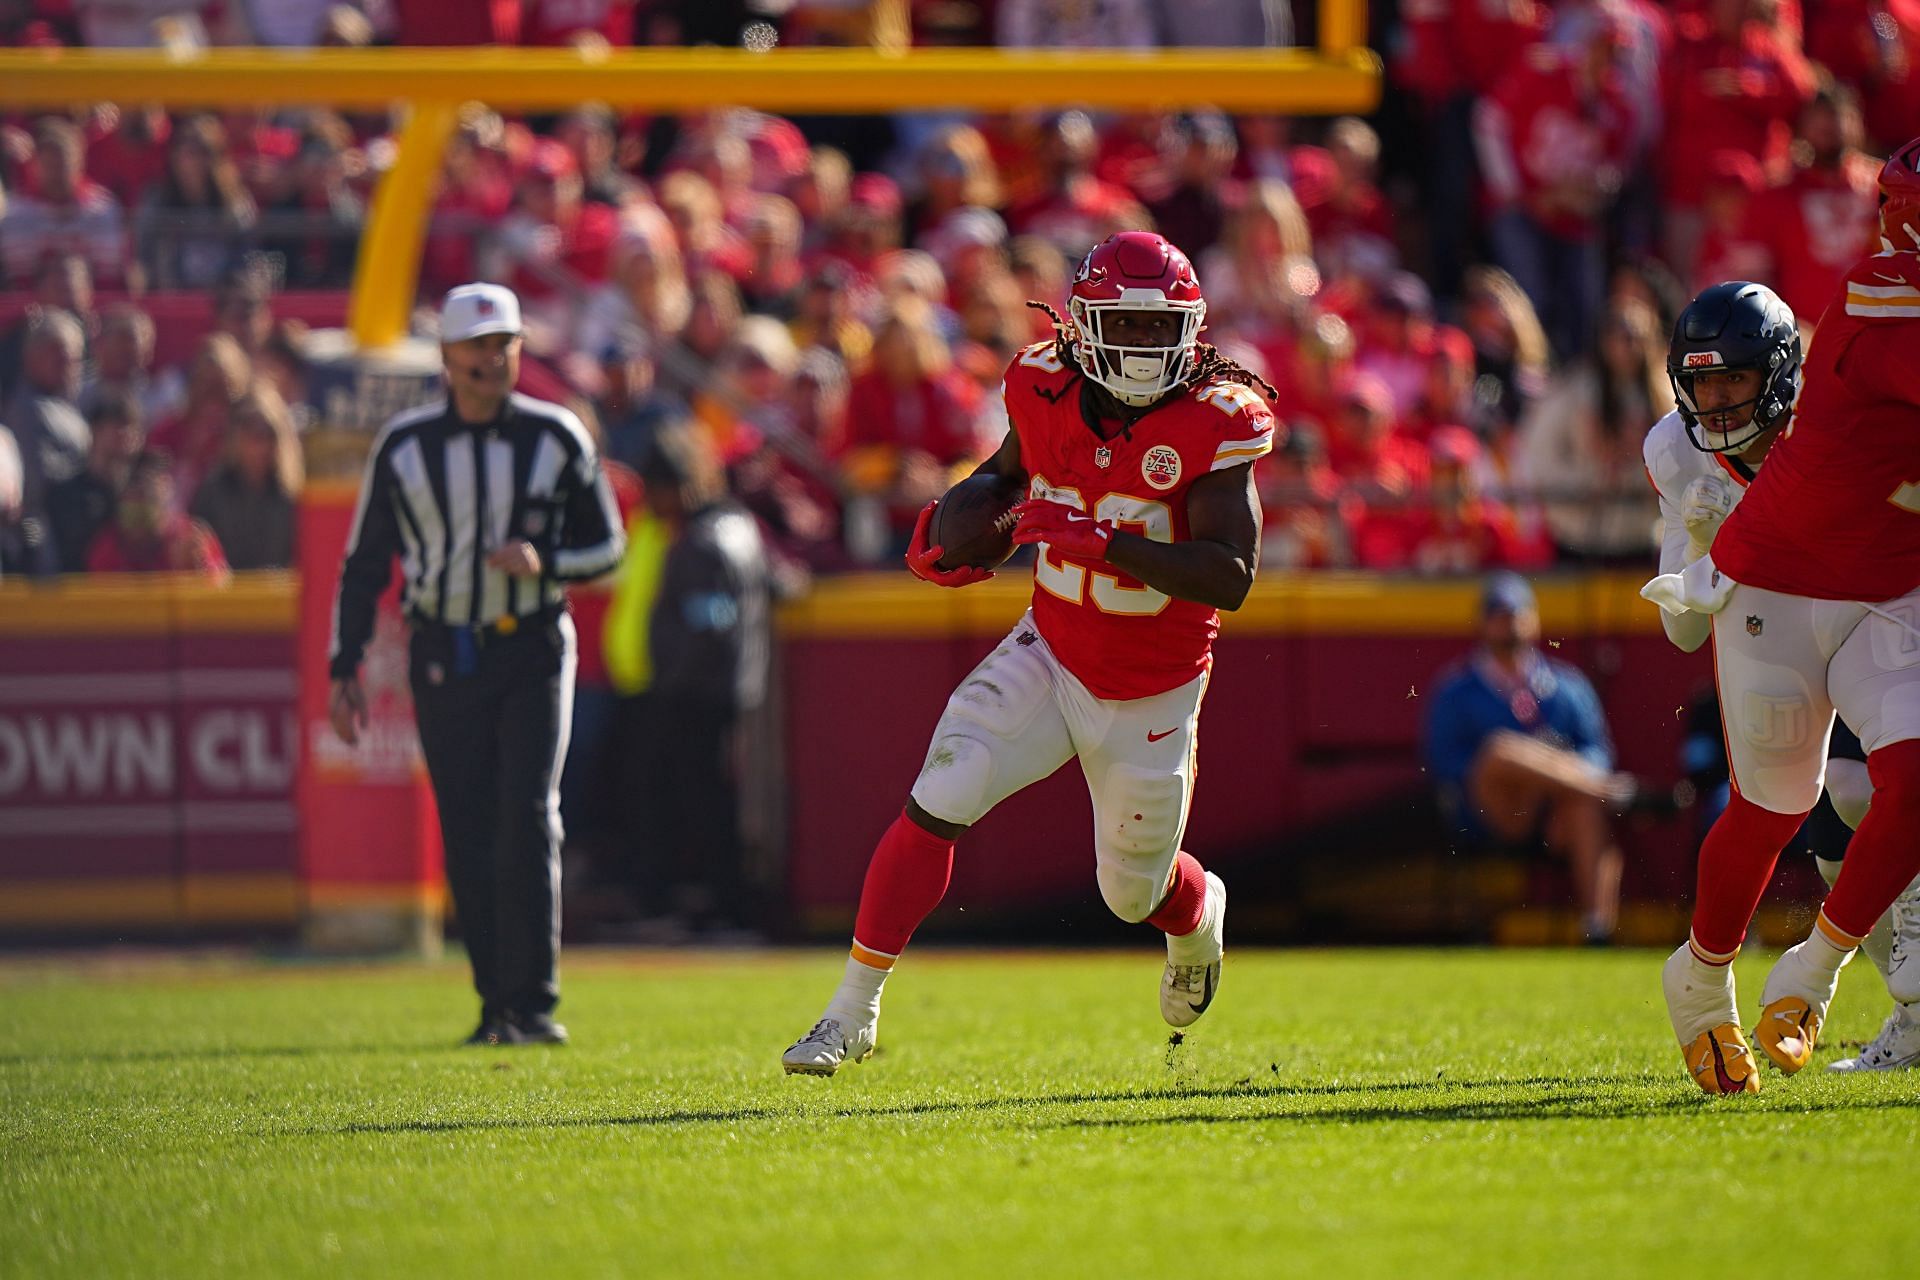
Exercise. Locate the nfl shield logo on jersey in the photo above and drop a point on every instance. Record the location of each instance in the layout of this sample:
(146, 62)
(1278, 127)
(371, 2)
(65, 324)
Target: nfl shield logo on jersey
(1161, 466)
(1755, 624)
(1103, 457)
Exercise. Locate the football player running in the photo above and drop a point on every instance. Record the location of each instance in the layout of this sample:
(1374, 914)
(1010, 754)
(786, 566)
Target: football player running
(1813, 586)
(1734, 361)
(1134, 443)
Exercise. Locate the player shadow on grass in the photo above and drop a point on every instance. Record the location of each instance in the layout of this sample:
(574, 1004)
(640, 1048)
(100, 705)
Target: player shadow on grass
(212, 1053)
(1591, 1097)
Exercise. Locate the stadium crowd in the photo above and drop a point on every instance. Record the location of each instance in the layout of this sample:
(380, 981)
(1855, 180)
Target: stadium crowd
(1463, 303)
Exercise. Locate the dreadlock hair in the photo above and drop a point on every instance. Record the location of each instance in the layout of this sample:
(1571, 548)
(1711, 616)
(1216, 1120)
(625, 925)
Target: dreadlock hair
(1208, 365)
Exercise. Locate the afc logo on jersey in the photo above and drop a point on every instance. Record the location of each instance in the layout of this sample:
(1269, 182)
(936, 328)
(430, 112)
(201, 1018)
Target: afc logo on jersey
(1161, 466)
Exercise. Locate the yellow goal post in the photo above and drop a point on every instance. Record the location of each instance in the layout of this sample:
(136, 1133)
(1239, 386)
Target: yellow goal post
(1339, 75)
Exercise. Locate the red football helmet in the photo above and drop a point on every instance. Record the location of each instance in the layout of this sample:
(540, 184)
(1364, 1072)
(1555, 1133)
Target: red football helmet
(1900, 199)
(1136, 271)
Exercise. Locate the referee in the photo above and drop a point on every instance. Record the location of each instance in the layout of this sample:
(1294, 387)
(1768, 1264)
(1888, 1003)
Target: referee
(491, 501)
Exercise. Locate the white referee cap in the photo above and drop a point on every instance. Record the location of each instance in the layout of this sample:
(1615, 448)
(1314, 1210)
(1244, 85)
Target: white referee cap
(476, 309)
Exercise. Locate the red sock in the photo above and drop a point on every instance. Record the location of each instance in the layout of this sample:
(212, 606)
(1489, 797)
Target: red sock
(1736, 861)
(1180, 911)
(1884, 855)
(905, 882)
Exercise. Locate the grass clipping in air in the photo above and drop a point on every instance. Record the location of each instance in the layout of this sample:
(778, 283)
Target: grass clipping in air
(1406, 1114)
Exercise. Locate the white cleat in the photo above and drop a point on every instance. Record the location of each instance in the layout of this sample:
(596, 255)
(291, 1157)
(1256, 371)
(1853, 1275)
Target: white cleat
(1903, 964)
(1896, 1048)
(1188, 986)
(822, 1050)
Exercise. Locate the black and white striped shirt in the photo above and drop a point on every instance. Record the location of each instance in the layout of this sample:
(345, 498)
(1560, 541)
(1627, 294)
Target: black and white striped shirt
(443, 494)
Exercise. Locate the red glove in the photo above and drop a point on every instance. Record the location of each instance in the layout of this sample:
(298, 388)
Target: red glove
(1063, 528)
(922, 559)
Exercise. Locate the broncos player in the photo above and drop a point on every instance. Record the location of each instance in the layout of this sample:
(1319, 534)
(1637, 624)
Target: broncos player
(1813, 585)
(1135, 444)
(1734, 361)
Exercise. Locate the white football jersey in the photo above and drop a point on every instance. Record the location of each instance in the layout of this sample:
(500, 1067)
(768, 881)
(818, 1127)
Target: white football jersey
(1672, 464)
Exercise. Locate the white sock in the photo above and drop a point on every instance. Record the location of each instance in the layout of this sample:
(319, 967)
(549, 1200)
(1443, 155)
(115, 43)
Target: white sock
(1197, 947)
(1822, 953)
(856, 1001)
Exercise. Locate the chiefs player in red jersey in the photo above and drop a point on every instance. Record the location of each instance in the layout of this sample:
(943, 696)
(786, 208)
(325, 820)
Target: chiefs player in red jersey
(1814, 588)
(1135, 444)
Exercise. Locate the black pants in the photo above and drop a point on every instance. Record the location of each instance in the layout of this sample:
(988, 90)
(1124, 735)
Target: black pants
(494, 739)
(685, 802)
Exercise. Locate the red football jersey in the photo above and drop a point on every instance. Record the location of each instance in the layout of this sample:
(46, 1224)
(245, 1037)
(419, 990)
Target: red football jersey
(1120, 637)
(1835, 513)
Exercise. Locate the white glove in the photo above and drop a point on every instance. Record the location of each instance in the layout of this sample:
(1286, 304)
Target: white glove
(1703, 506)
(1699, 588)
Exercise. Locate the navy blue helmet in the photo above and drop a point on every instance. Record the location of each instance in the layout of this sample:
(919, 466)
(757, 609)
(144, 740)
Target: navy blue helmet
(1736, 325)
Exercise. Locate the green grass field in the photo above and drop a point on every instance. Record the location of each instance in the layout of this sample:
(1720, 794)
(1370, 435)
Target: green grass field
(1409, 1113)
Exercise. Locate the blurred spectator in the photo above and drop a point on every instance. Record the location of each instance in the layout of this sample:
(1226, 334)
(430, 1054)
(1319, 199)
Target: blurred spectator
(51, 434)
(130, 155)
(709, 640)
(197, 223)
(589, 135)
(1072, 208)
(62, 282)
(1450, 54)
(685, 362)
(774, 280)
(1510, 353)
(148, 533)
(1446, 398)
(434, 23)
(79, 507)
(145, 24)
(826, 319)
(1726, 210)
(869, 226)
(1074, 24)
(1200, 149)
(1225, 23)
(1554, 140)
(1518, 748)
(955, 170)
(570, 22)
(1809, 229)
(194, 438)
(821, 193)
(250, 500)
(872, 24)
(1873, 46)
(910, 418)
(1300, 498)
(1397, 337)
(62, 210)
(1041, 270)
(25, 547)
(475, 194)
(1263, 265)
(993, 316)
(288, 24)
(745, 399)
(1579, 448)
(243, 308)
(1351, 221)
(1735, 78)
(554, 246)
(282, 365)
(707, 243)
(123, 365)
(314, 224)
(1455, 530)
(1381, 467)
(646, 293)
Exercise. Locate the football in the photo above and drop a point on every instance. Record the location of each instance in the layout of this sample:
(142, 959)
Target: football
(973, 522)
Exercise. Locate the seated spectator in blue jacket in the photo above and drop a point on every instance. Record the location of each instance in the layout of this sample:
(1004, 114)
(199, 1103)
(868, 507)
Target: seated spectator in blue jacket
(1519, 749)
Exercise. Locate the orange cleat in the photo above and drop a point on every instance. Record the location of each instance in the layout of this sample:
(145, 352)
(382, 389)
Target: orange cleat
(1787, 1031)
(1721, 1062)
